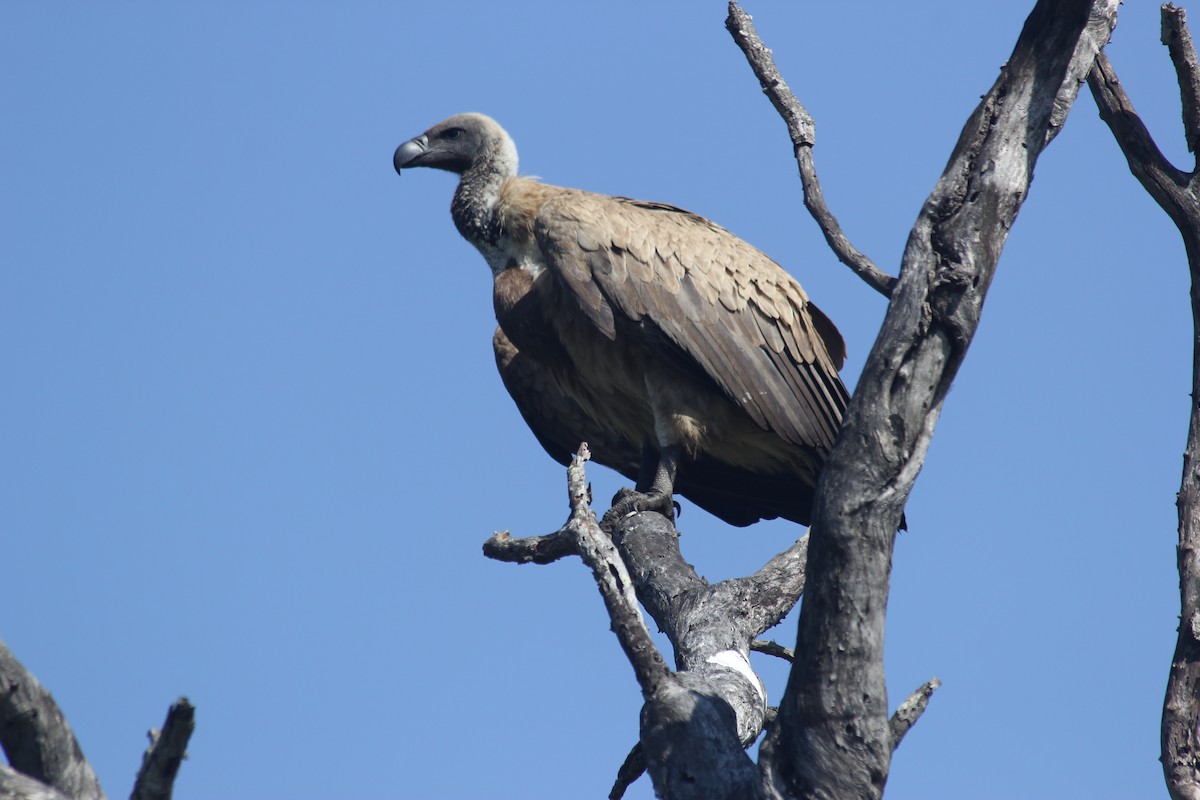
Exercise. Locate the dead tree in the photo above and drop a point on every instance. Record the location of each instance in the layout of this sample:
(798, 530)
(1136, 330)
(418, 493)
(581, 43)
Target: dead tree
(47, 763)
(832, 735)
(1178, 193)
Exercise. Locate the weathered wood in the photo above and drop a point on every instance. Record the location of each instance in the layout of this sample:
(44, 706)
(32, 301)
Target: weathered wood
(802, 130)
(698, 720)
(632, 769)
(908, 712)
(1178, 193)
(46, 762)
(530, 549)
(15, 786)
(833, 737)
(709, 625)
(614, 581)
(167, 750)
(36, 737)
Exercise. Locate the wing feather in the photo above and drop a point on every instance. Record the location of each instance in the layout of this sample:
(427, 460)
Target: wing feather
(553, 415)
(738, 496)
(724, 306)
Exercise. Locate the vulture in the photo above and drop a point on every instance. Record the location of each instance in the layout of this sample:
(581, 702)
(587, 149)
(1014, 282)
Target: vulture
(689, 361)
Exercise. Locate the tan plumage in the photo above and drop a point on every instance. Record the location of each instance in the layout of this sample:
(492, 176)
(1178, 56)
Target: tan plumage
(647, 330)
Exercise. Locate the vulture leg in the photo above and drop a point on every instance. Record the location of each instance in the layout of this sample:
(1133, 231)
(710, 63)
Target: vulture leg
(648, 469)
(657, 496)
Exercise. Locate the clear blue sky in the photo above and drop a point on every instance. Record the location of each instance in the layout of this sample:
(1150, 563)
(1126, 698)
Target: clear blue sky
(253, 437)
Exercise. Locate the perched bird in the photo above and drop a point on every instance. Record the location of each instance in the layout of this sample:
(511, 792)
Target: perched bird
(687, 359)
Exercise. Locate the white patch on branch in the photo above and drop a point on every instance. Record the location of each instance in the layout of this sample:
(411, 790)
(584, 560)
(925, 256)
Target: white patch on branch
(732, 659)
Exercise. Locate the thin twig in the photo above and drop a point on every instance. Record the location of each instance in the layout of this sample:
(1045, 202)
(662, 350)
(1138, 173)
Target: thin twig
(773, 649)
(803, 133)
(908, 712)
(632, 769)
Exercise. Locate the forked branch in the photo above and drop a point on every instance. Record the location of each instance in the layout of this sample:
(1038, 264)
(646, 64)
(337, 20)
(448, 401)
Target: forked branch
(1179, 195)
(46, 762)
(834, 737)
(698, 720)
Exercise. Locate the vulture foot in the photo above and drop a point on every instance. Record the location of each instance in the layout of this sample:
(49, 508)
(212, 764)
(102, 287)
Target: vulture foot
(628, 501)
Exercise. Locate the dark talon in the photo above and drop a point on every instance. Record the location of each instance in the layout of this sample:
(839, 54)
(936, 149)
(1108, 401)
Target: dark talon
(628, 501)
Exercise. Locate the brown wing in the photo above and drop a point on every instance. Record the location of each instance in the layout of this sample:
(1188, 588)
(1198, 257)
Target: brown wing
(558, 422)
(738, 496)
(724, 305)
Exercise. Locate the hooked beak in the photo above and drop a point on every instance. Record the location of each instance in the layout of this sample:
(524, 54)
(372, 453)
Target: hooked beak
(409, 152)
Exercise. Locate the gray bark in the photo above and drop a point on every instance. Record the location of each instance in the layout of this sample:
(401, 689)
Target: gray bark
(46, 762)
(164, 756)
(697, 719)
(802, 130)
(832, 736)
(1179, 195)
(15, 786)
(36, 737)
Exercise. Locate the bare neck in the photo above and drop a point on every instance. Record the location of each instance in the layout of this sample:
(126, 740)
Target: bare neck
(478, 194)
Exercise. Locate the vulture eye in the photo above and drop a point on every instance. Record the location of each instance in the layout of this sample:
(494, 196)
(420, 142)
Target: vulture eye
(452, 133)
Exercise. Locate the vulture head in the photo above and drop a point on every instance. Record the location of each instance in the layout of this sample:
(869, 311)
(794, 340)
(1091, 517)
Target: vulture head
(458, 144)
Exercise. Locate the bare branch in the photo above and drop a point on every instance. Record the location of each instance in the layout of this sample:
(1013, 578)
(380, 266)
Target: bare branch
(834, 737)
(1178, 39)
(696, 725)
(665, 581)
(612, 578)
(168, 748)
(630, 771)
(36, 737)
(582, 536)
(1179, 195)
(15, 786)
(697, 722)
(775, 589)
(531, 549)
(773, 649)
(803, 133)
(1166, 184)
(908, 712)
